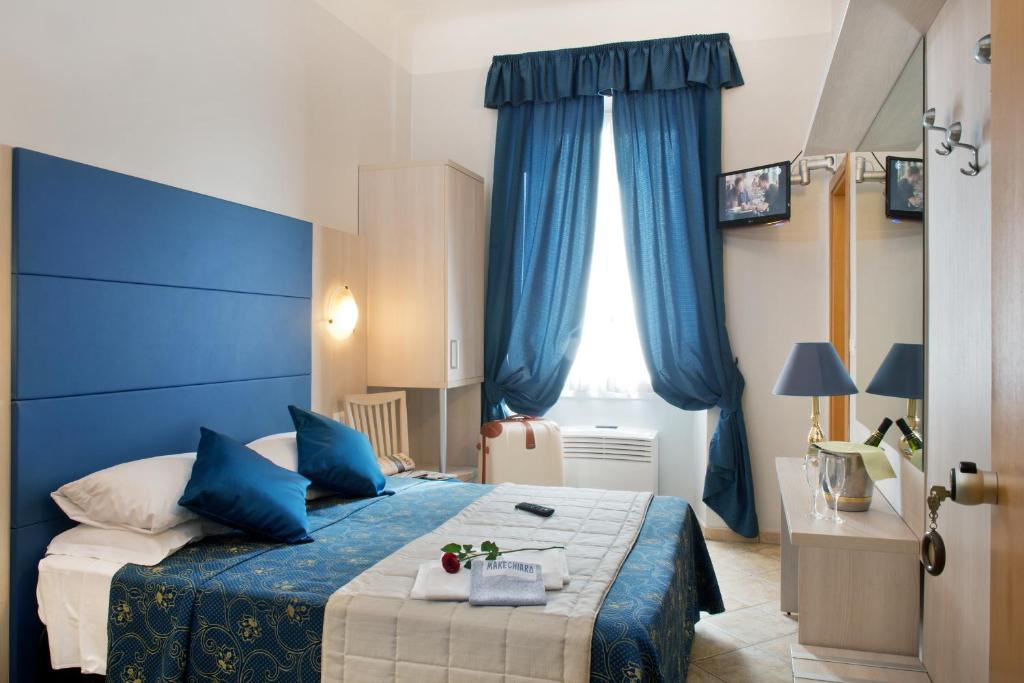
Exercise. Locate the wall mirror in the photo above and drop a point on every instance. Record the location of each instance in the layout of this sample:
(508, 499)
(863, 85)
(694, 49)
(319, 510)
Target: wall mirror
(887, 273)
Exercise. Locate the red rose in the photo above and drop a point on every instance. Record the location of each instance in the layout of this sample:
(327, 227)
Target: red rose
(450, 562)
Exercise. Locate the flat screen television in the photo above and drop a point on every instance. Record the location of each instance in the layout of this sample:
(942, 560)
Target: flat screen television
(904, 188)
(754, 195)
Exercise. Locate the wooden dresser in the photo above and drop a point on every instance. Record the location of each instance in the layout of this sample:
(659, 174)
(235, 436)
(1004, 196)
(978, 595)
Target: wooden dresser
(856, 586)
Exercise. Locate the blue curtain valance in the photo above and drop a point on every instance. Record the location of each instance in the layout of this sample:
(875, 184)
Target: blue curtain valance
(663, 64)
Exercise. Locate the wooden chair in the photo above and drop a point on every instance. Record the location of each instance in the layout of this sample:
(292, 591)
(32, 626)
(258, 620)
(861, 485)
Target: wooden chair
(384, 419)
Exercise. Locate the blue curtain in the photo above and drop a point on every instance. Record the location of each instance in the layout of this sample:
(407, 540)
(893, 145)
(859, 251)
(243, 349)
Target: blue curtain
(542, 233)
(668, 156)
(663, 64)
(667, 145)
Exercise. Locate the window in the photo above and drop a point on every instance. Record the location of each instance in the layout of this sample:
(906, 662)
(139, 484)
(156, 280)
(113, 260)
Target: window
(609, 362)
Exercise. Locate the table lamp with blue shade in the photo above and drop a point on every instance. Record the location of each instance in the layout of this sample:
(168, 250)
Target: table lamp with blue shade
(901, 375)
(814, 369)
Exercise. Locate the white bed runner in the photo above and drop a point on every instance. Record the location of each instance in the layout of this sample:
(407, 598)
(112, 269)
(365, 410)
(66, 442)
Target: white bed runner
(374, 632)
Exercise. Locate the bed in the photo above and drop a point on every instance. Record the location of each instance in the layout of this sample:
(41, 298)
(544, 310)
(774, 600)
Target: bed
(239, 609)
(113, 277)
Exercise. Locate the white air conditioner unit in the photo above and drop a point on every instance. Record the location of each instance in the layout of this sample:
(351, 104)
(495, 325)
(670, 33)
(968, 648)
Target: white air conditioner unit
(618, 458)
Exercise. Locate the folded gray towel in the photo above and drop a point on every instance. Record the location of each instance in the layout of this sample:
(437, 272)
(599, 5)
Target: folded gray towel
(506, 582)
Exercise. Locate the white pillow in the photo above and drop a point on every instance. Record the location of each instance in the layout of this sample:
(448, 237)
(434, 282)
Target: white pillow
(283, 450)
(140, 496)
(118, 545)
(280, 449)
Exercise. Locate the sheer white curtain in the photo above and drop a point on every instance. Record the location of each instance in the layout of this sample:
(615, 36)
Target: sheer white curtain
(609, 362)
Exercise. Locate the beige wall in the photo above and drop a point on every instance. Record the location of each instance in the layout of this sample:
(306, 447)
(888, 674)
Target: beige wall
(776, 284)
(272, 103)
(959, 342)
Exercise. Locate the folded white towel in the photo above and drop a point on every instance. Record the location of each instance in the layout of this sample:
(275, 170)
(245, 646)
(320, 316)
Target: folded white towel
(434, 583)
(553, 565)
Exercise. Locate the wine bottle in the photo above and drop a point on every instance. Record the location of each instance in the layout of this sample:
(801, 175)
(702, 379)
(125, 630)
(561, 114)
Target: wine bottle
(913, 438)
(876, 437)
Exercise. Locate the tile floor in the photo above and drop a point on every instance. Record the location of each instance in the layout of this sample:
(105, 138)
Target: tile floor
(749, 642)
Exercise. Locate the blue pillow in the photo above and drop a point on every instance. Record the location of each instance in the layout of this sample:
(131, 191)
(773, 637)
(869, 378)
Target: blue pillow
(237, 486)
(336, 457)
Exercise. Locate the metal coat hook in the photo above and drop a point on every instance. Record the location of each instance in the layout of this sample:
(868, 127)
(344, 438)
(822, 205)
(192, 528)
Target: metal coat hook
(953, 140)
(983, 49)
(929, 124)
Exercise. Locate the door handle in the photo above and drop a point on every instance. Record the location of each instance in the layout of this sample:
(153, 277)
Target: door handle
(968, 486)
(453, 354)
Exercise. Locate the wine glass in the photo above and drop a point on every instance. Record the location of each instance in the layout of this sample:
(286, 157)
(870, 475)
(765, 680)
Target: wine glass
(835, 479)
(813, 484)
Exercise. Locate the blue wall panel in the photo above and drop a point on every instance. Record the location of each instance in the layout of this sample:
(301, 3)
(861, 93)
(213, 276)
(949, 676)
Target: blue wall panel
(59, 440)
(83, 221)
(88, 336)
(141, 312)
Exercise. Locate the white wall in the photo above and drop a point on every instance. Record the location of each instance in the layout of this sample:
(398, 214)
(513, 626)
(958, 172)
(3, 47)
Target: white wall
(776, 286)
(467, 39)
(271, 103)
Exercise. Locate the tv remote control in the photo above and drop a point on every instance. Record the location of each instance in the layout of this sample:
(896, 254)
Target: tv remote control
(535, 509)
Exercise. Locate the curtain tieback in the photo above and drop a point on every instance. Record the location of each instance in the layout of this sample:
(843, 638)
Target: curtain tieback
(730, 401)
(493, 392)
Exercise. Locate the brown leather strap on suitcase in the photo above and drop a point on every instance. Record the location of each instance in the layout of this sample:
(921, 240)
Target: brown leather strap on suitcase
(492, 430)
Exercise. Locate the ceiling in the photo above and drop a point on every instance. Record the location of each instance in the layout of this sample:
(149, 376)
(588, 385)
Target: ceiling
(410, 31)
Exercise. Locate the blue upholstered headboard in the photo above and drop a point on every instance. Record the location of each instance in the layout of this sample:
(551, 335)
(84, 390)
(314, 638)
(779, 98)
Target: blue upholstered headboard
(140, 312)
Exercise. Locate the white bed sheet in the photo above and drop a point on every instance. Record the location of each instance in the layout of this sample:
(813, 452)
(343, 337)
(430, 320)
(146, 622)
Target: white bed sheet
(73, 595)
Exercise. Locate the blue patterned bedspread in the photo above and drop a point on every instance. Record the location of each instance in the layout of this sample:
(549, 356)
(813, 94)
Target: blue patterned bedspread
(232, 608)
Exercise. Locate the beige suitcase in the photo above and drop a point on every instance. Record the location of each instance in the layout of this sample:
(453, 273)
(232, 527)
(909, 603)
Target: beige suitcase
(522, 450)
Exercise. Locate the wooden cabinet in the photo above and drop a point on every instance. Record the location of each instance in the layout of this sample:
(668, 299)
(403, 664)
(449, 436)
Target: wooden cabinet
(425, 229)
(857, 585)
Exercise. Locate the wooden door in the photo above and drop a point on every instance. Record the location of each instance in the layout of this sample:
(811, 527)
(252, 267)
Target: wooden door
(958, 376)
(1006, 654)
(959, 317)
(839, 291)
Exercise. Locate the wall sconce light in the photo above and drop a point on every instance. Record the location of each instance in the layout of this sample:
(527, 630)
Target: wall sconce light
(929, 124)
(342, 313)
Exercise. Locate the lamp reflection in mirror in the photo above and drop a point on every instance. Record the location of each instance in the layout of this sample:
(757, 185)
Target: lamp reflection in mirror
(901, 375)
(814, 369)
(342, 313)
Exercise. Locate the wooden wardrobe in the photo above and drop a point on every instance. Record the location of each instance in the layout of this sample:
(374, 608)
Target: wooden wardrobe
(425, 229)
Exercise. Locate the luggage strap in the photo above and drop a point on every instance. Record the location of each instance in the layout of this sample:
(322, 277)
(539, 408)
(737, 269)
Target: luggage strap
(492, 429)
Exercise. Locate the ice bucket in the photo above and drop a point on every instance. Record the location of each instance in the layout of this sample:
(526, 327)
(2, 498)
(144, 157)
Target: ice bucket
(859, 487)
